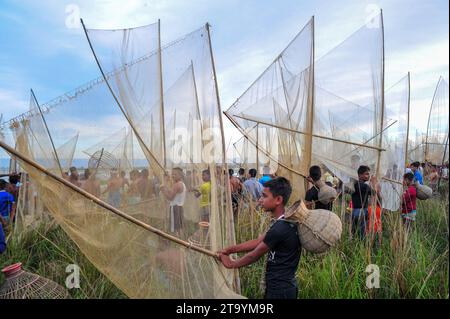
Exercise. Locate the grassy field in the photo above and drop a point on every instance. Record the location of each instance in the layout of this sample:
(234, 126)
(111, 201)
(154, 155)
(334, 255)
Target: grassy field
(416, 267)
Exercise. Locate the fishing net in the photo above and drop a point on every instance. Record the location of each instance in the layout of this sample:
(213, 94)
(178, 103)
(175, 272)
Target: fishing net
(41, 144)
(66, 152)
(327, 113)
(115, 151)
(169, 98)
(7, 164)
(393, 159)
(348, 103)
(436, 143)
(416, 147)
(282, 96)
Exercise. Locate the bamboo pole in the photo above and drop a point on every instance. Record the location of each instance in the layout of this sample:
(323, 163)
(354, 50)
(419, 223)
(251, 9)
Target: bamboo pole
(305, 133)
(227, 180)
(138, 136)
(310, 114)
(48, 132)
(382, 96)
(161, 98)
(197, 103)
(257, 149)
(106, 205)
(98, 162)
(408, 119)
(392, 180)
(367, 141)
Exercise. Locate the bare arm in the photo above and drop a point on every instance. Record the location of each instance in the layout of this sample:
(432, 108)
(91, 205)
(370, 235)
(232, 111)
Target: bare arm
(170, 194)
(3, 221)
(247, 259)
(243, 247)
(13, 212)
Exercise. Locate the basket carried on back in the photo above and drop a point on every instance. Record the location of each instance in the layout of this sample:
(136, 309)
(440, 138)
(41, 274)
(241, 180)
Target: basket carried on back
(21, 284)
(326, 194)
(318, 229)
(423, 192)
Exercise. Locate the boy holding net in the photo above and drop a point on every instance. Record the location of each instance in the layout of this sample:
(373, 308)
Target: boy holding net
(280, 242)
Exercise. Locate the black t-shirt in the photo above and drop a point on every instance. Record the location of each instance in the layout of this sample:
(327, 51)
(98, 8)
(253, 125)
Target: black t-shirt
(360, 198)
(284, 255)
(312, 195)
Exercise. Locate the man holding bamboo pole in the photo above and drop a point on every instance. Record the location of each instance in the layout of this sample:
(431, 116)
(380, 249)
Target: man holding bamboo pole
(280, 242)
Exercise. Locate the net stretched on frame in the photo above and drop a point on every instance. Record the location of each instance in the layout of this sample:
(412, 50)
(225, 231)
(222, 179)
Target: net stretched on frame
(328, 112)
(282, 96)
(436, 142)
(66, 152)
(393, 159)
(348, 93)
(139, 262)
(416, 147)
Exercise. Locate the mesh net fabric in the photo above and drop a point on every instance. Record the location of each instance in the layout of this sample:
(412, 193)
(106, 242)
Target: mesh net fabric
(416, 147)
(66, 152)
(169, 99)
(115, 151)
(348, 103)
(327, 113)
(393, 159)
(436, 143)
(282, 95)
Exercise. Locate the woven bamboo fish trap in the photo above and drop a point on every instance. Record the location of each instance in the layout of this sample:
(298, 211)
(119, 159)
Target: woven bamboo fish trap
(318, 229)
(326, 194)
(20, 284)
(423, 192)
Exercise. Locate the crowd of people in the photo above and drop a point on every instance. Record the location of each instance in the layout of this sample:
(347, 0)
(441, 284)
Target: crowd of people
(270, 193)
(281, 242)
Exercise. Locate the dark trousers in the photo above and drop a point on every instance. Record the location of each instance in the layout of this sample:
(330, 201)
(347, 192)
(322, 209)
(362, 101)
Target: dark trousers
(359, 221)
(289, 293)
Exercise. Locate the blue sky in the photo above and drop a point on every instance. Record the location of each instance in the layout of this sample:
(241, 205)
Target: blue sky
(41, 48)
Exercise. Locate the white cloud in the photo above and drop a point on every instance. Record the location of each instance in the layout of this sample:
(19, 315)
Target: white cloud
(12, 103)
(244, 57)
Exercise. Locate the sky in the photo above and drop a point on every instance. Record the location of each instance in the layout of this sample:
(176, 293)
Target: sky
(43, 47)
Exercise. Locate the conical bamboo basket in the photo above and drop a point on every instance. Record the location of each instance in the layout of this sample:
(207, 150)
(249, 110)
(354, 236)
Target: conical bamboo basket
(319, 229)
(21, 284)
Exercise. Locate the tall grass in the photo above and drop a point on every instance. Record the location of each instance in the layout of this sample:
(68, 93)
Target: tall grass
(412, 265)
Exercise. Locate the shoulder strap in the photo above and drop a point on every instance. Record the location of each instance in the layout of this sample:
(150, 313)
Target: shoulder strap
(290, 221)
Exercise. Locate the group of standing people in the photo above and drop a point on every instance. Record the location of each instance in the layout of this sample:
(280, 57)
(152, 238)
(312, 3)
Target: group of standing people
(120, 190)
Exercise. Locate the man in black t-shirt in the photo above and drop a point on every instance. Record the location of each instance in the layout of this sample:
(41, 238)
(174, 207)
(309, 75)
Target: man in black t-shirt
(312, 195)
(360, 199)
(280, 242)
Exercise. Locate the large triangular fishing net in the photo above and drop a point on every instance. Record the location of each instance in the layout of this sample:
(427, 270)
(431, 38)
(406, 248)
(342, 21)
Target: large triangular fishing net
(326, 112)
(169, 97)
(276, 106)
(436, 141)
